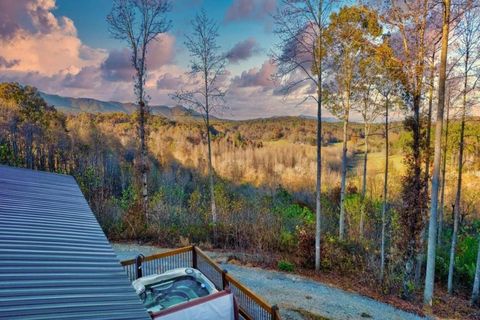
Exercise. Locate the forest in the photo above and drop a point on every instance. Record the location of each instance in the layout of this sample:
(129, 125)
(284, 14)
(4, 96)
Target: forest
(385, 206)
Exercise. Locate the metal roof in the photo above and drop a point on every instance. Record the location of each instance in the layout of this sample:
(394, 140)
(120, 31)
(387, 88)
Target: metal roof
(55, 261)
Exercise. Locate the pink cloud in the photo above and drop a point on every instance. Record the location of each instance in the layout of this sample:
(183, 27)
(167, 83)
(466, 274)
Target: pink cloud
(161, 51)
(39, 42)
(257, 77)
(170, 82)
(249, 10)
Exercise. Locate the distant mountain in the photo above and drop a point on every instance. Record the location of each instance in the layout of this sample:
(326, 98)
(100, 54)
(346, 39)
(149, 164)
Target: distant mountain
(178, 112)
(324, 119)
(77, 105)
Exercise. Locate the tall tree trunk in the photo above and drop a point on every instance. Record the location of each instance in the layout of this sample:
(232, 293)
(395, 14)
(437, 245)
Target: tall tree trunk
(416, 197)
(29, 146)
(444, 170)
(318, 212)
(365, 152)
(344, 178)
(364, 180)
(429, 120)
(51, 157)
(453, 246)
(318, 191)
(476, 281)
(432, 228)
(421, 254)
(14, 139)
(210, 173)
(385, 195)
(210, 164)
(140, 68)
(458, 194)
(143, 157)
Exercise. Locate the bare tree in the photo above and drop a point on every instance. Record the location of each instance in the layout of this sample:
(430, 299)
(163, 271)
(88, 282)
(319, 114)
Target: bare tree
(469, 50)
(300, 26)
(208, 67)
(138, 23)
(432, 230)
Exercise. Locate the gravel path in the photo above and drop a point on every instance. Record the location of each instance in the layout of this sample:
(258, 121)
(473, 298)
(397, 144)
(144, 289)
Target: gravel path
(292, 293)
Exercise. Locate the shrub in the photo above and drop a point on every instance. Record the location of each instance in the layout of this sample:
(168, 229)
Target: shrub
(465, 259)
(306, 245)
(284, 265)
(287, 241)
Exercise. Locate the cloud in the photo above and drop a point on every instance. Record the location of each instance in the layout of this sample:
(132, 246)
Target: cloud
(118, 65)
(249, 10)
(253, 94)
(48, 53)
(161, 51)
(256, 77)
(39, 42)
(8, 63)
(269, 6)
(43, 19)
(169, 81)
(43, 50)
(88, 78)
(243, 50)
(12, 14)
(255, 102)
(240, 9)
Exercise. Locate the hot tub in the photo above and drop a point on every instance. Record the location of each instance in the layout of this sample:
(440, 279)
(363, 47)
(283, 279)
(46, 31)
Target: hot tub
(161, 291)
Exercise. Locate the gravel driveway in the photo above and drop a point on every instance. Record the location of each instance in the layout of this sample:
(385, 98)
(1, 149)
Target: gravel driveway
(294, 294)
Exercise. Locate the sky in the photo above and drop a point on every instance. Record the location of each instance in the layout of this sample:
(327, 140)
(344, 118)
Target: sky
(63, 47)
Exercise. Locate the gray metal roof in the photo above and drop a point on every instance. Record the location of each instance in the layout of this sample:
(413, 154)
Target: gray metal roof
(55, 261)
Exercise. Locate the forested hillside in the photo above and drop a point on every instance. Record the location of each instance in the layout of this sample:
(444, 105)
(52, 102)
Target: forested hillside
(264, 188)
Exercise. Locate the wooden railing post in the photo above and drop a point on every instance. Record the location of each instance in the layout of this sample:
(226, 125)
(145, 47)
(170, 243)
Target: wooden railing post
(275, 312)
(224, 279)
(138, 265)
(194, 257)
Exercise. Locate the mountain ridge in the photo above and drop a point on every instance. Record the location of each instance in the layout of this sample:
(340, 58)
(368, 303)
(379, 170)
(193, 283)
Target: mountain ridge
(90, 105)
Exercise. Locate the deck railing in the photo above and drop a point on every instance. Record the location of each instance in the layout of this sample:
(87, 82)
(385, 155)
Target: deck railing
(251, 306)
